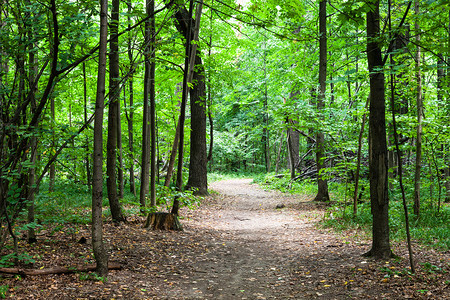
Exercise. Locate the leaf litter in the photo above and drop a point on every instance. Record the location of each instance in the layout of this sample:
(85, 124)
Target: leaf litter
(236, 245)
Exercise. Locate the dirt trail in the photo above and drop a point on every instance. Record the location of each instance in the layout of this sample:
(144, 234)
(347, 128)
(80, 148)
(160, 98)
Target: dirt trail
(236, 245)
(256, 250)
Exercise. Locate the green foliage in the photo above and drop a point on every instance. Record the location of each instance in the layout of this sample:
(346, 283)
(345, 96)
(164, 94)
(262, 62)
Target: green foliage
(285, 184)
(92, 276)
(3, 290)
(7, 260)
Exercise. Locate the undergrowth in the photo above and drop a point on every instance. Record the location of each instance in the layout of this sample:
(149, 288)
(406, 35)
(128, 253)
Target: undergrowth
(430, 229)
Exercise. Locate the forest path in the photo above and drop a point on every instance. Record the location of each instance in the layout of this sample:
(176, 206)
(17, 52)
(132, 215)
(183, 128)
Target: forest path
(256, 251)
(236, 245)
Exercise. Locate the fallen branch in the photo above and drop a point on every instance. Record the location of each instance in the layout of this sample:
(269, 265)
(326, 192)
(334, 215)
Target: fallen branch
(55, 270)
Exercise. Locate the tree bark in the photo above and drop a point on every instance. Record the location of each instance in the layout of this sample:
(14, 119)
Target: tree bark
(52, 173)
(130, 115)
(151, 10)
(113, 111)
(377, 140)
(198, 161)
(100, 252)
(419, 104)
(179, 182)
(322, 183)
(358, 160)
(145, 156)
(87, 142)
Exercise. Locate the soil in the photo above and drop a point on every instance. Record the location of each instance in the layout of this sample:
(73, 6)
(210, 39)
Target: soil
(236, 245)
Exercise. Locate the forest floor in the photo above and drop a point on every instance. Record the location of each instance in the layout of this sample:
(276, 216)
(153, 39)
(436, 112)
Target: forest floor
(235, 245)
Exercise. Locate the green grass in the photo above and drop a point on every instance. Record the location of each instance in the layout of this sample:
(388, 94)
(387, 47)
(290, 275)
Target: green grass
(285, 184)
(213, 177)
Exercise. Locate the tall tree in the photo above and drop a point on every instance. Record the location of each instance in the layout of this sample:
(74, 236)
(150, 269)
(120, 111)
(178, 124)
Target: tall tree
(113, 112)
(197, 179)
(322, 192)
(145, 154)
(377, 139)
(100, 252)
(130, 115)
(419, 104)
(151, 9)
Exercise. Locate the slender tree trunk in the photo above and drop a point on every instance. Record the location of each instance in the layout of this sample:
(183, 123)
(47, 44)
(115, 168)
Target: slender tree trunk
(120, 177)
(87, 142)
(197, 179)
(322, 193)
(52, 172)
(179, 182)
(377, 140)
(113, 111)
(173, 155)
(145, 158)
(151, 7)
(358, 162)
(130, 115)
(100, 252)
(419, 104)
(265, 136)
(33, 143)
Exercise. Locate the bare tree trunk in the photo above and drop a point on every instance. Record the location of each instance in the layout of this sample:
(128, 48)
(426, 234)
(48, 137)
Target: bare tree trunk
(120, 177)
(87, 142)
(378, 168)
(322, 193)
(145, 158)
(197, 179)
(100, 252)
(358, 162)
(179, 183)
(419, 104)
(173, 155)
(31, 236)
(265, 136)
(130, 116)
(151, 8)
(114, 87)
(52, 173)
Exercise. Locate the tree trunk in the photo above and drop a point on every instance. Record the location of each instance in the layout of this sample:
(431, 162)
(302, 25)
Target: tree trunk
(179, 182)
(114, 87)
(100, 252)
(151, 8)
(377, 141)
(419, 104)
(33, 70)
(198, 161)
(120, 177)
(130, 116)
(172, 156)
(87, 142)
(145, 158)
(322, 184)
(52, 173)
(358, 160)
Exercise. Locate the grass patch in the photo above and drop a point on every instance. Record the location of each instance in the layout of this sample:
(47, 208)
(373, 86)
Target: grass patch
(284, 184)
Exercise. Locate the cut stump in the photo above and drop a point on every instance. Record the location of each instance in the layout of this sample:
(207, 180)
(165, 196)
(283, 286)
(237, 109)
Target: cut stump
(163, 221)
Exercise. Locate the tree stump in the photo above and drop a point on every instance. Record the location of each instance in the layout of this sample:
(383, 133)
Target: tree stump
(163, 221)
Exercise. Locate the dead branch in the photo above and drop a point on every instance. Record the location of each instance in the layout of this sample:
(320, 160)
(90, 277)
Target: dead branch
(55, 270)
